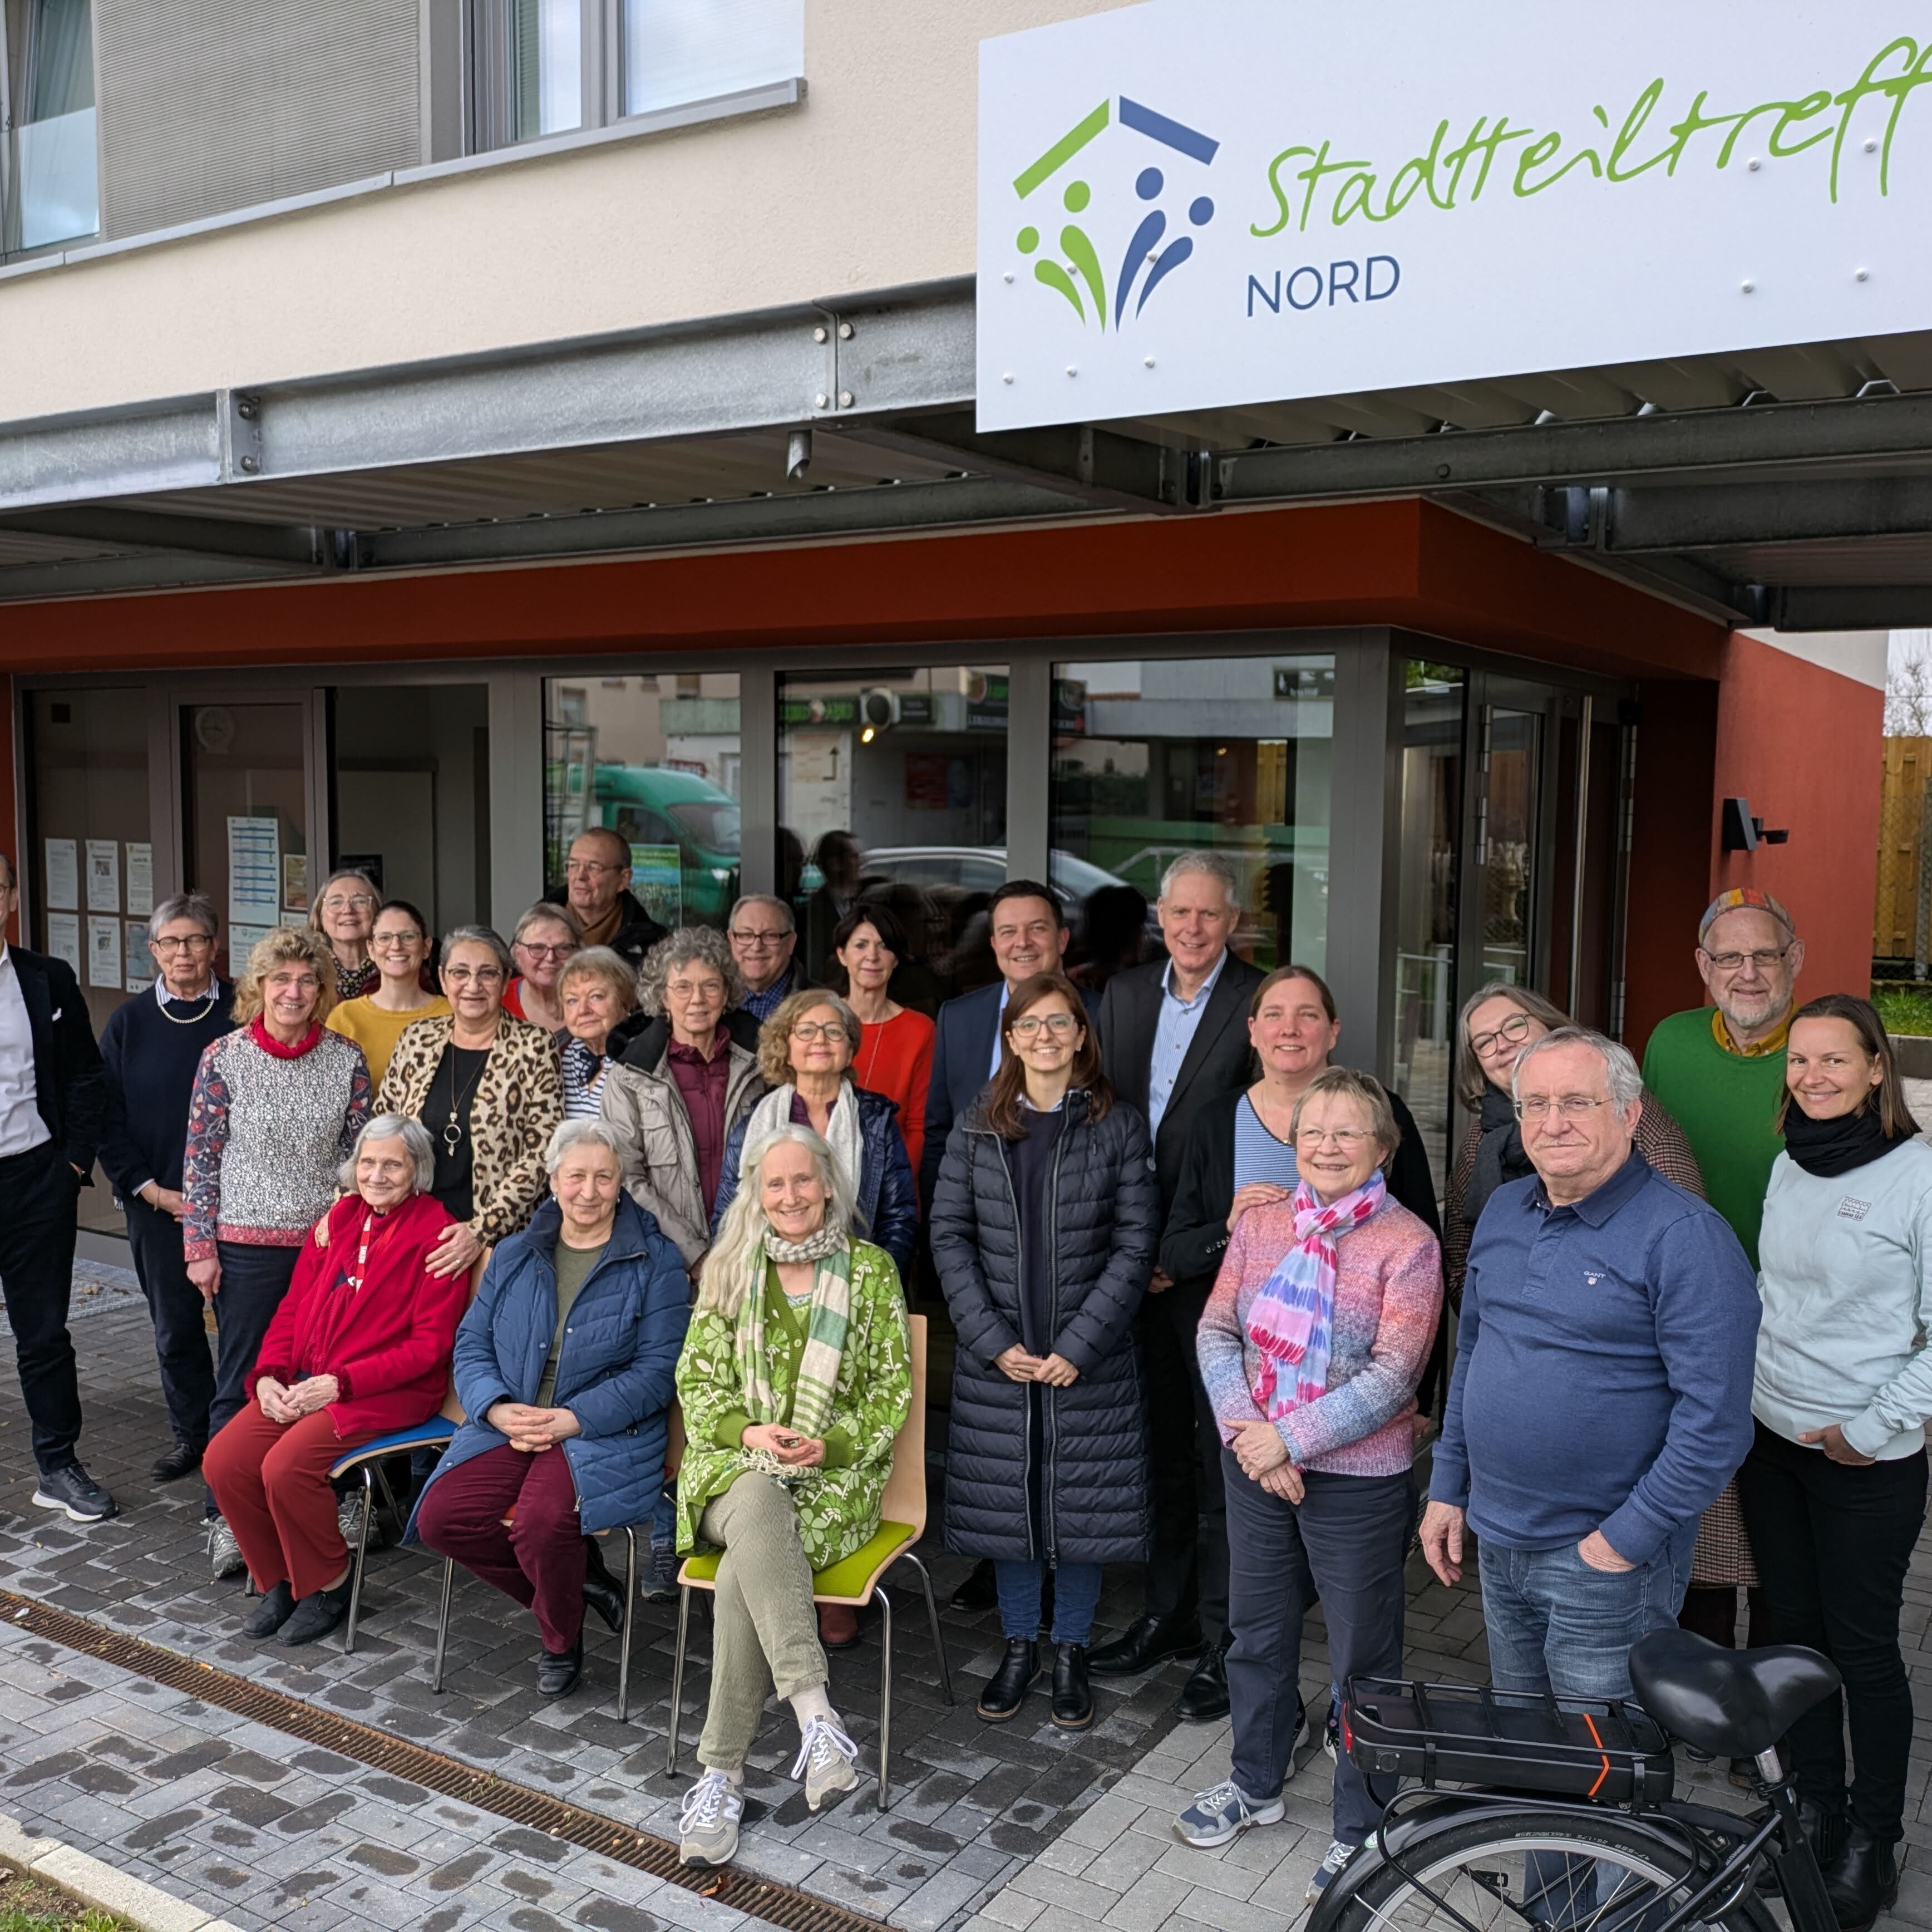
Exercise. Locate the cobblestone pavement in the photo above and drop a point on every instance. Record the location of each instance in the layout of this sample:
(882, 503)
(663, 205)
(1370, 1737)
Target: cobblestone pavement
(991, 1828)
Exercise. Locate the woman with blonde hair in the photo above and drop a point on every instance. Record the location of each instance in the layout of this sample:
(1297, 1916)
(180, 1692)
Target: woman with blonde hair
(596, 992)
(275, 1109)
(343, 913)
(796, 1379)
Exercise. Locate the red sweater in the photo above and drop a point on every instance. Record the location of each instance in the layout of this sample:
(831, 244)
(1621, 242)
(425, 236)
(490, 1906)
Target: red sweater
(387, 1344)
(895, 1059)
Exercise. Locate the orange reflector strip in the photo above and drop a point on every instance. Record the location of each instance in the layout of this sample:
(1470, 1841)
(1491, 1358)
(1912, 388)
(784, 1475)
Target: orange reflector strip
(1596, 1740)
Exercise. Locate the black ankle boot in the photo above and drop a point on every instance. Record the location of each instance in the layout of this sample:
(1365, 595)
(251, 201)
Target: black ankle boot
(1862, 1879)
(1825, 1830)
(271, 1613)
(1072, 1701)
(1006, 1690)
(558, 1671)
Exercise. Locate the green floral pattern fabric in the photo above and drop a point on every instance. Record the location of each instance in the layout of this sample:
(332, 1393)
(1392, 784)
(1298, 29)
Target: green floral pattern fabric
(838, 1508)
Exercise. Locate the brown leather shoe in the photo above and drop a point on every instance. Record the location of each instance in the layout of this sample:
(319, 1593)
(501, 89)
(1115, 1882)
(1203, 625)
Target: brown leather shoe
(837, 1626)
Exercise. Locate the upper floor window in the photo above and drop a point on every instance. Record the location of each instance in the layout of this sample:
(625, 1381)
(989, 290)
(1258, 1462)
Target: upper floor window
(49, 189)
(549, 67)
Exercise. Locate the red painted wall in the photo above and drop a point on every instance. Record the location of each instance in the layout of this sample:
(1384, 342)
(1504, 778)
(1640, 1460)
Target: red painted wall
(9, 830)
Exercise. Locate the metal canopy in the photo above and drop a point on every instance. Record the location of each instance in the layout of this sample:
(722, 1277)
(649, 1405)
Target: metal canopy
(1791, 487)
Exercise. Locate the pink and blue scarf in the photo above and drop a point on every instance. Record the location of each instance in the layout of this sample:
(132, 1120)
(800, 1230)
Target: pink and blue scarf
(1292, 1320)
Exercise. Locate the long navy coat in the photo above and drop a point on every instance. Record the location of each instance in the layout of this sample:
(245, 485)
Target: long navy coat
(615, 1373)
(1095, 1506)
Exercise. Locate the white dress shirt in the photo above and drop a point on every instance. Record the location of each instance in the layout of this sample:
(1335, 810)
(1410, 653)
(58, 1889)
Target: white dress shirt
(1174, 1033)
(21, 1129)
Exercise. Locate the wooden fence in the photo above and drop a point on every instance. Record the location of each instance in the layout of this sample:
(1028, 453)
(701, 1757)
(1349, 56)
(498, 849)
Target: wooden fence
(1899, 929)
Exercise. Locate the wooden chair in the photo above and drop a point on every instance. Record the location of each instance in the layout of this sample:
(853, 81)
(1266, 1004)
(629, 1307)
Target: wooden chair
(857, 1580)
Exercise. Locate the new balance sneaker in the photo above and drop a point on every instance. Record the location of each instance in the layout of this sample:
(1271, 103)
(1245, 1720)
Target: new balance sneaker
(74, 1492)
(349, 1520)
(224, 1554)
(1224, 1812)
(660, 1584)
(828, 1761)
(707, 1827)
(1325, 1873)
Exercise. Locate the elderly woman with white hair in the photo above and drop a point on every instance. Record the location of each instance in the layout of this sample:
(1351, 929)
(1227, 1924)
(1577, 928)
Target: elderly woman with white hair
(359, 1347)
(564, 1367)
(795, 1379)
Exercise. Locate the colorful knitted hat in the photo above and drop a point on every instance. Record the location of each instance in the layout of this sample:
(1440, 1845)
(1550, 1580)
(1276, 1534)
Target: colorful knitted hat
(1741, 898)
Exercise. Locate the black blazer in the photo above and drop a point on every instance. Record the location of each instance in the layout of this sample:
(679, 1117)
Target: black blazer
(70, 1083)
(1218, 1061)
(968, 1029)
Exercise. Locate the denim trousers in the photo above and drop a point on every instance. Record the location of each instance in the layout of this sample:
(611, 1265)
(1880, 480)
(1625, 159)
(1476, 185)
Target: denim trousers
(180, 1334)
(1345, 1539)
(1076, 1596)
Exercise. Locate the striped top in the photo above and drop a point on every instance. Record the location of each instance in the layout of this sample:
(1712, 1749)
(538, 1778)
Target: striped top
(1258, 1155)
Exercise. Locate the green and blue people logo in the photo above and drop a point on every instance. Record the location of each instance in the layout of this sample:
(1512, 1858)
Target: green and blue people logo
(1077, 272)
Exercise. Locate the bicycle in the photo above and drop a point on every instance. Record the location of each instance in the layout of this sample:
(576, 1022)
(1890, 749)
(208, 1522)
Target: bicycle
(1568, 1822)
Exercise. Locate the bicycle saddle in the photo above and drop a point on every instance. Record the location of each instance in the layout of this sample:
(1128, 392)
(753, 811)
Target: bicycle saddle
(1732, 1703)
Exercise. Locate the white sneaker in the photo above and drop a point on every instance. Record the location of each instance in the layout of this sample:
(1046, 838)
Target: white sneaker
(224, 1553)
(1320, 1879)
(707, 1827)
(828, 1761)
(349, 1520)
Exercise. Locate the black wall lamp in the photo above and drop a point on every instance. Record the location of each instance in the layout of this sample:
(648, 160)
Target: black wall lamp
(1744, 833)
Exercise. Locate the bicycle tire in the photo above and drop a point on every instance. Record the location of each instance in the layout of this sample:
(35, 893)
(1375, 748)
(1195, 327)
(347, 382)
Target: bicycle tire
(1388, 1899)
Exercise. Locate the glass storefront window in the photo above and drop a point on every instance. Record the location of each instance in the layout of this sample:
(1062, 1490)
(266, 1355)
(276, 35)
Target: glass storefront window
(1432, 805)
(1154, 758)
(677, 51)
(656, 759)
(892, 787)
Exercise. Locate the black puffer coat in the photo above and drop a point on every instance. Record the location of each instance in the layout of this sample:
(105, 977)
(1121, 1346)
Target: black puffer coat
(1105, 1215)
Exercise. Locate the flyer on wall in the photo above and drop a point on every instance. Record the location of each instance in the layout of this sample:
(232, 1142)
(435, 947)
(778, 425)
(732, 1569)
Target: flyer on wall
(140, 961)
(254, 871)
(103, 953)
(64, 940)
(140, 880)
(63, 875)
(103, 875)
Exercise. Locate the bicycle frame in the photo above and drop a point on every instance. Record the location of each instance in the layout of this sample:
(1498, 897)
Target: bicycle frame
(1683, 1834)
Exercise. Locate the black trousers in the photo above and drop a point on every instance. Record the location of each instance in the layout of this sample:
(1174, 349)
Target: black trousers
(1187, 1573)
(253, 1281)
(37, 1193)
(181, 1335)
(1832, 1543)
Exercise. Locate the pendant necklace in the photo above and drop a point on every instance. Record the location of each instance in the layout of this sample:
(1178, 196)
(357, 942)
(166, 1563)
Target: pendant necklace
(452, 1133)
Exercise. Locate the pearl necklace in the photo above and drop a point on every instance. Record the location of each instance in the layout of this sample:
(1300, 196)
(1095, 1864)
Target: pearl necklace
(192, 1019)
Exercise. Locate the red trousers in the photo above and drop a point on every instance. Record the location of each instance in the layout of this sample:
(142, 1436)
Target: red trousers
(539, 1559)
(271, 1482)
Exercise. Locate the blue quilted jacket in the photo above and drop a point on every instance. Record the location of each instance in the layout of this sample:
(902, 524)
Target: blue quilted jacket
(616, 1373)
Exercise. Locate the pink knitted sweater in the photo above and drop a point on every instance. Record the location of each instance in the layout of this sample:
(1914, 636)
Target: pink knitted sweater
(1388, 1293)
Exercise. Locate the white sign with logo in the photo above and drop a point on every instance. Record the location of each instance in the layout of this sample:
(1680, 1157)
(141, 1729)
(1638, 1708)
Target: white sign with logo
(1203, 204)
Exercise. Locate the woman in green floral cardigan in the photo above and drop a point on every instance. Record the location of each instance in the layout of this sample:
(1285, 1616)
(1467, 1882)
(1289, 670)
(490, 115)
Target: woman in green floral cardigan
(795, 1379)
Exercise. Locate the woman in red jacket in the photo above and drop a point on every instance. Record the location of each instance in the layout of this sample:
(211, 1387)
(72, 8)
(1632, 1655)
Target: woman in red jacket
(360, 1347)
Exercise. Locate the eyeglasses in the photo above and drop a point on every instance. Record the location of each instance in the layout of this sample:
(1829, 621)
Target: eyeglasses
(758, 941)
(412, 937)
(1348, 1139)
(1028, 1028)
(1572, 1107)
(588, 869)
(195, 942)
(1512, 1032)
(695, 989)
(354, 902)
(809, 1030)
(1729, 962)
(480, 976)
(537, 951)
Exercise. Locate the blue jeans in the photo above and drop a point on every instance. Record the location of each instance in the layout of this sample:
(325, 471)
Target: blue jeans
(1076, 1596)
(1556, 1626)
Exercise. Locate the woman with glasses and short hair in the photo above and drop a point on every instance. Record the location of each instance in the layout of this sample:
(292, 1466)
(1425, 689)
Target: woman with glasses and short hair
(546, 938)
(487, 1088)
(344, 913)
(399, 945)
(597, 990)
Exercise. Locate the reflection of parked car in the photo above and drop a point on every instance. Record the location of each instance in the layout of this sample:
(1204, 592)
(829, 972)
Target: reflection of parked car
(653, 804)
(969, 871)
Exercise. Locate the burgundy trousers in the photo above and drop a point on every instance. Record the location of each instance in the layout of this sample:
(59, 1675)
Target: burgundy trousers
(270, 1479)
(539, 1559)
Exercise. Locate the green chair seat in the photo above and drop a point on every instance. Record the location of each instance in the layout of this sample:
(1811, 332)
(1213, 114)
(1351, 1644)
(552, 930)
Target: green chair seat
(846, 1578)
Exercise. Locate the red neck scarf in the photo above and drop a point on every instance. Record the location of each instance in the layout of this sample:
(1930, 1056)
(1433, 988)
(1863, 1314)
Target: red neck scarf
(269, 1045)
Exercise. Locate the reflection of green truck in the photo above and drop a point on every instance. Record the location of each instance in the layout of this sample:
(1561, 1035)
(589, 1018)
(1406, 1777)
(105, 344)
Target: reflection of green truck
(655, 806)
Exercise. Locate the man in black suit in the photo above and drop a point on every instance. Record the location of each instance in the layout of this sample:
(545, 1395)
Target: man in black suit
(53, 1103)
(1173, 1037)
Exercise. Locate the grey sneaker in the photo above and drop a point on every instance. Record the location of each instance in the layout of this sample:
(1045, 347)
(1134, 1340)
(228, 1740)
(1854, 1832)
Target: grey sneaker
(349, 1520)
(1325, 1873)
(828, 1761)
(224, 1553)
(660, 1584)
(76, 1493)
(1224, 1812)
(707, 1827)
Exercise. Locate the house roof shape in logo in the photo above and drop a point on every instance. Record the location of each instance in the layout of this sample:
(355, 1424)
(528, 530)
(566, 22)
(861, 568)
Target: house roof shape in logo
(1144, 251)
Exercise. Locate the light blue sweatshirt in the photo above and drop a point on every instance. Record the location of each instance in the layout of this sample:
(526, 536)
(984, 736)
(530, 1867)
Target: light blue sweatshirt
(1845, 1275)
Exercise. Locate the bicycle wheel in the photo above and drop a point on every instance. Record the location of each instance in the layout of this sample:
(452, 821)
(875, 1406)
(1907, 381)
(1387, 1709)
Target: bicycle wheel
(1568, 1871)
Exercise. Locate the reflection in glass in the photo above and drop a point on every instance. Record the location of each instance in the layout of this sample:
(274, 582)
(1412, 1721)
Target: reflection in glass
(892, 789)
(655, 758)
(1506, 840)
(546, 66)
(1155, 758)
(677, 51)
(1431, 792)
(54, 141)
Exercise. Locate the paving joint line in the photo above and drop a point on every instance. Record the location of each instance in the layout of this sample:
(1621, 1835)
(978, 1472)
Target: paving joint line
(776, 1904)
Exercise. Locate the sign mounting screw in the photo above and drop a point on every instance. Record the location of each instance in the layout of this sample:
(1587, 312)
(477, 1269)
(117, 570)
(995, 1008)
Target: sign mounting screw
(818, 334)
(1864, 274)
(1007, 377)
(845, 399)
(1071, 370)
(1149, 361)
(1749, 287)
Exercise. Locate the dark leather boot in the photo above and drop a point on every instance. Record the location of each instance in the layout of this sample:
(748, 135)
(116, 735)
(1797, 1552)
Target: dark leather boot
(1005, 1690)
(1862, 1879)
(1205, 1696)
(1825, 1830)
(558, 1671)
(980, 1591)
(1151, 1641)
(1072, 1701)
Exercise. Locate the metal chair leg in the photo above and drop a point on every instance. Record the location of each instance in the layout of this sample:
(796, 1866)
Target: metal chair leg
(442, 1620)
(885, 1603)
(396, 1513)
(358, 1559)
(630, 1624)
(932, 1617)
(677, 1682)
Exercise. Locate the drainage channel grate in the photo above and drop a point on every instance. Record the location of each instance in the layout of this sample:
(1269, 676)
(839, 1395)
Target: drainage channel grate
(777, 1904)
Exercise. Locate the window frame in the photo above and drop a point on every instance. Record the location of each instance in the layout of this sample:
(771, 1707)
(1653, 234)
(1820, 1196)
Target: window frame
(17, 65)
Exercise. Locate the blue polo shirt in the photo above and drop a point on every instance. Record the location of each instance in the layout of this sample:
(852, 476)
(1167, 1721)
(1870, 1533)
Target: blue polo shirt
(1603, 1367)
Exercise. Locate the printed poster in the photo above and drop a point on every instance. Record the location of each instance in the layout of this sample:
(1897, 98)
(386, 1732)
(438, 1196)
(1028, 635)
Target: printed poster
(103, 953)
(242, 941)
(140, 961)
(103, 875)
(140, 881)
(254, 871)
(63, 877)
(63, 939)
(657, 879)
(294, 884)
